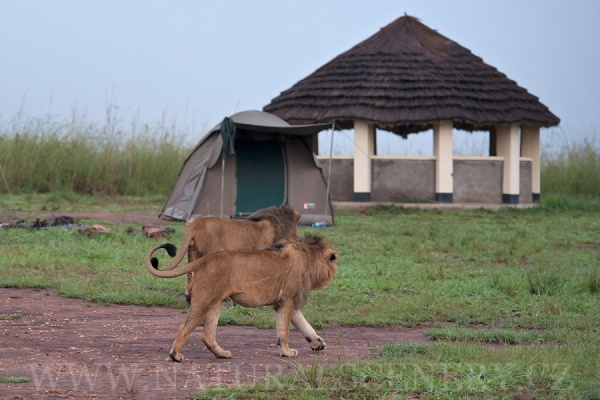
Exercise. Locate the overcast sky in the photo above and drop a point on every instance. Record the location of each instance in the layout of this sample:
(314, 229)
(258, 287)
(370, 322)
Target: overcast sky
(195, 62)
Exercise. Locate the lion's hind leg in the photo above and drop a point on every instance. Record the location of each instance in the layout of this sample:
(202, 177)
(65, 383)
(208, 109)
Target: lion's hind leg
(196, 314)
(185, 330)
(192, 255)
(209, 334)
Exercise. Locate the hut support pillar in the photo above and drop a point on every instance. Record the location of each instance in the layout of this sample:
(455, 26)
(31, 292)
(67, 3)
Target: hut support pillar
(444, 163)
(493, 152)
(530, 147)
(364, 148)
(508, 147)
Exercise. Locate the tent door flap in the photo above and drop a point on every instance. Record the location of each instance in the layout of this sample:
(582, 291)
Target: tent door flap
(260, 175)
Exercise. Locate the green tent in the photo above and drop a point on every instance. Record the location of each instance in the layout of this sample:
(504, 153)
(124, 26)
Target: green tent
(264, 162)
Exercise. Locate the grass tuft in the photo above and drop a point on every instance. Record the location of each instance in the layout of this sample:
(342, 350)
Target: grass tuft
(497, 336)
(10, 316)
(591, 282)
(564, 202)
(14, 379)
(544, 282)
(395, 350)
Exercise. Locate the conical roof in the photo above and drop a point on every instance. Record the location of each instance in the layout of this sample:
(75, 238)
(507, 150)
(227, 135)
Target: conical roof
(403, 79)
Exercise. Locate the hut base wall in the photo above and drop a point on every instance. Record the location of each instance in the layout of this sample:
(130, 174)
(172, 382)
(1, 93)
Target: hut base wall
(404, 179)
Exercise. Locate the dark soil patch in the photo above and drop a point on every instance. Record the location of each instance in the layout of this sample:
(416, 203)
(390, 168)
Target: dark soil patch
(117, 218)
(123, 218)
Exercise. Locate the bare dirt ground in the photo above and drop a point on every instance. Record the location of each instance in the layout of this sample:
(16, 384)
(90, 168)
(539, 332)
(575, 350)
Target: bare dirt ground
(74, 350)
(71, 349)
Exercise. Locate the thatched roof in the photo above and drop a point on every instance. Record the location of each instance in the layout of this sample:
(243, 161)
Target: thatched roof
(403, 79)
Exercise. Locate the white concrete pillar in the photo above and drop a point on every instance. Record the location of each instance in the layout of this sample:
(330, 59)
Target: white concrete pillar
(508, 147)
(444, 163)
(531, 148)
(364, 148)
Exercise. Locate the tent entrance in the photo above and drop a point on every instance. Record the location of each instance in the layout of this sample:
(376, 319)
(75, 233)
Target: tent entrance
(260, 175)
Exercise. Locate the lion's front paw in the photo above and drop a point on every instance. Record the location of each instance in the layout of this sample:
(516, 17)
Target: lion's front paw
(316, 344)
(176, 357)
(289, 353)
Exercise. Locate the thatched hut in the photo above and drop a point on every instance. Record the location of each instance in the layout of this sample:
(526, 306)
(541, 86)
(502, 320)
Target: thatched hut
(408, 78)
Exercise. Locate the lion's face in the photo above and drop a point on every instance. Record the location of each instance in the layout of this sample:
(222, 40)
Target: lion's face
(324, 265)
(330, 260)
(318, 257)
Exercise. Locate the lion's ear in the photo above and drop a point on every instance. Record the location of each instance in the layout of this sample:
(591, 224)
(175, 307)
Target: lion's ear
(332, 256)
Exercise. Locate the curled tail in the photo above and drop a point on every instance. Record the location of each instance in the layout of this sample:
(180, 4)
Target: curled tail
(188, 236)
(152, 262)
(170, 248)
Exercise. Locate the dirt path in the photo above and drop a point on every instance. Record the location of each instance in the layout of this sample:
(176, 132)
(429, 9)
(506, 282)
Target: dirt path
(75, 350)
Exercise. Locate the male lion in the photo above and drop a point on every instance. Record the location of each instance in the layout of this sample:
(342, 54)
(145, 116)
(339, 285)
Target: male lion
(281, 276)
(262, 228)
(207, 235)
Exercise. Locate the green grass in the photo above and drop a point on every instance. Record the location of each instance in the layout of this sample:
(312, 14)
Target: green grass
(512, 293)
(498, 336)
(14, 379)
(105, 269)
(10, 316)
(41, 205)
(439, 370)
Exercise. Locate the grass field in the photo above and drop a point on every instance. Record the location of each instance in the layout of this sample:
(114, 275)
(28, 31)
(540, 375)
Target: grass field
(510, 299)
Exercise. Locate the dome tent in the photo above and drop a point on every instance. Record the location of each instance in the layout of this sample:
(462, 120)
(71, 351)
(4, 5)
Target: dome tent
(250, 161)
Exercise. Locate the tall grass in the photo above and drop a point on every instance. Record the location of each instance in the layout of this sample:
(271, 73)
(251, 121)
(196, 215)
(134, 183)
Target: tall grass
(574, 170)
(79, 156)
(113, 158)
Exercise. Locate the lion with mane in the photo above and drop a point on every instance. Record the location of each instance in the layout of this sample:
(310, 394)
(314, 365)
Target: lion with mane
(281, 276)
(262, 228)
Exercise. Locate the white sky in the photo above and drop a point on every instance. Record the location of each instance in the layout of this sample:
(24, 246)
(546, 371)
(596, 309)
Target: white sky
(195, 62)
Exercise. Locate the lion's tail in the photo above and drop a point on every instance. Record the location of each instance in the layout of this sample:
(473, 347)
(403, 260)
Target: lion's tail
(172, 250)
(152, 262)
